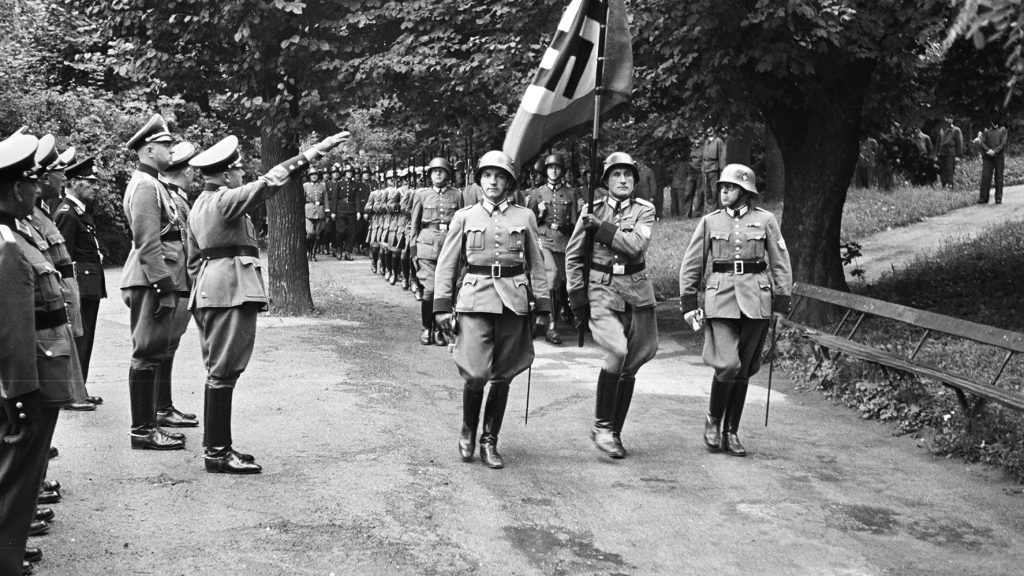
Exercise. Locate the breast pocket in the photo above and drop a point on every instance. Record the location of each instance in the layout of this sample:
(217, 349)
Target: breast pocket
(516, 237)
(755, 244)
(47, 282)
(475, 238)
(720, 246)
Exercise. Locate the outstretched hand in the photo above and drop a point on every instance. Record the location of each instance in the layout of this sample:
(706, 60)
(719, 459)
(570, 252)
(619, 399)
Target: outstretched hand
(326, 144)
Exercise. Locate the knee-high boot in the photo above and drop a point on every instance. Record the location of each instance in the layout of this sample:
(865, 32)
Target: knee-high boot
(166, 414)
(716, 408)
(494, 413)
(146, 435)
(385, 258)
(219, 456)
(623, 398)
(733, 412)
(374, 256)
(603, 433)
(396, 268)
(552, 334)
(427, 318)
(471, 401)
(406, 271)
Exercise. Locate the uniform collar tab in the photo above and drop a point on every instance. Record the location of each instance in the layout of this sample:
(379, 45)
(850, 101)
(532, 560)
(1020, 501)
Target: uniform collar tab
(741, 211)
(618, 205)
(490, 206)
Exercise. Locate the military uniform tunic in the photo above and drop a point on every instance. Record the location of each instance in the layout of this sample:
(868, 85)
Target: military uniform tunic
(557, 212)
(315, 209)
(50, 241)
(501, 247)
(432, 213)
(620, 294)
(748, 277)
(343, 202)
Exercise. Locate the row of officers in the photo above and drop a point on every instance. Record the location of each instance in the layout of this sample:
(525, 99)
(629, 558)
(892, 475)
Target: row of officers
(198, 262)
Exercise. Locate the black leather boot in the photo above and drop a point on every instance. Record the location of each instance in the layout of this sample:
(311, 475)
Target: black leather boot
(166, 414)
(713, 423)
(427, 318)
(219, 456)
(439, 338)
(552, 334)
(374, 256)
(734, 411)
(603, 433)
(494, 413)
(623, 398)
(471, 401)
(145, 433)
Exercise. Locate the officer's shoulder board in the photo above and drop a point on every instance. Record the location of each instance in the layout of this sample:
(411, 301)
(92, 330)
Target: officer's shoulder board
(7, 234)
(643, 202)
(713, 213)
(64, 208)
(761, 209)
(470, 207)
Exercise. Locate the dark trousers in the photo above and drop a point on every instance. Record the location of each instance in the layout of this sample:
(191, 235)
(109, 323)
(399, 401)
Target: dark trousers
(227, 337)
(90, 311)
(864, 176)
(709, 185)
(21, 472)
(689, 193)
(990, 165)
(346, 232)
(947, 169)
(153, 340)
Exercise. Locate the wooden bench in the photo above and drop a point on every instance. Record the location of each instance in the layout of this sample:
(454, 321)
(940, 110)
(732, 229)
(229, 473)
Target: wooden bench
(856, 308)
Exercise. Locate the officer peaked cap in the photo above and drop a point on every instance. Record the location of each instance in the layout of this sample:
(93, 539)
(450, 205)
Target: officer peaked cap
(82, 170)
(46, 152)
(64, 159)
(181, 153)
(217, 158)
(155, 130)
(17, 157)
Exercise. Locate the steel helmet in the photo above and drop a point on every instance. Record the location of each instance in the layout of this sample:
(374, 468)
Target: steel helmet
(495, 159)
(739, 175)
(619, 159)
(556, 159)
(441, 163)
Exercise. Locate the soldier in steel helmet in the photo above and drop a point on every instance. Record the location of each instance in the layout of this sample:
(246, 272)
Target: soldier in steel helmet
(741, 252)
(500, 246)
(432, 211)
(555, 206)
(315, 211)
(619, 300)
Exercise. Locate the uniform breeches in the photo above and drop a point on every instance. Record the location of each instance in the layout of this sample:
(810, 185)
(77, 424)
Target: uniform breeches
(710, 188)
(227, 337)
(732, 346)
(21, 471)
(425, 274)
(554, 268)
(492, 347)
(629, 339)
(345, 231)
(153, 340)
(84, 343)
(314, 226)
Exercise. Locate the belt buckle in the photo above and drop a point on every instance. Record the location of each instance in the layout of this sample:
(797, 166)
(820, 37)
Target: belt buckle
(618, 269)
(495, 270)
(442, 227)
(737, 267)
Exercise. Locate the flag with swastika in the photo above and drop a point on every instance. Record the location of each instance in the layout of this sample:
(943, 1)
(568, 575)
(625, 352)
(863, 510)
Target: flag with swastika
(560, 99)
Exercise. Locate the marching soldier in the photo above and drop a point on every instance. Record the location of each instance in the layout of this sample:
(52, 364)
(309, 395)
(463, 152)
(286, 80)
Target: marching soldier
(395, 227)
(315, 192)
(153, 283)
(229, 291)
(500, 245)
(749, 282)
(406, 245)
(74, 219)
(38, 371)
(554, 203)
(619, 299)
(370, 210)
(343, 205)
(432, 212)
(366, 185)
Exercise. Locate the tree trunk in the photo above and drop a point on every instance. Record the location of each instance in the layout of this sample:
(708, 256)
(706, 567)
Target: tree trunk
(289, 270)
(819, 150)
(775, 171)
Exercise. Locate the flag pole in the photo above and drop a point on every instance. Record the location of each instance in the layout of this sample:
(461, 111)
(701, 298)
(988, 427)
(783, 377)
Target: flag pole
(595, 138)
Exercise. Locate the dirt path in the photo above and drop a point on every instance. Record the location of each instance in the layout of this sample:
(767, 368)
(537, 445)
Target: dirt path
(356, 424)
(890, 250)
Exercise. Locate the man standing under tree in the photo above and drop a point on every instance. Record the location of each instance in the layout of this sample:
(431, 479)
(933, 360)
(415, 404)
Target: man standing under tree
(992, 142)
(229, 291)
(712, 161)
(951, 147)
(499, 243)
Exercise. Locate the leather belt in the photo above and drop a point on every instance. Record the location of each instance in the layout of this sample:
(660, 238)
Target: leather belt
(618, 269)
(66, 270)
(496, 270)
(740, 266)
(51, 318)
(89, 259)
(229, 252)
(442, 226)
(172, 236)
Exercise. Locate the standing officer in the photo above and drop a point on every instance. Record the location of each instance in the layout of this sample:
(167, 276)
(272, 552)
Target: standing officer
(432, 212)
(153, 283)
(75, 221)
(229, 291)
(750, 281)
(37, 374)
(619, 299)
(712, 161)
(555, 206)
(343, 205)
(992, 143)
(315, 192)
(686, 183)
(500, 245)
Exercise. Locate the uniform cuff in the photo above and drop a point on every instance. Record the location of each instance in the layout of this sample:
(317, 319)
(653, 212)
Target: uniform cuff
(164, 286)
(606, 233)
(542, 305)
(781, 304)
(578, 299)
(442, 305)
(295, 164)
(688, 302)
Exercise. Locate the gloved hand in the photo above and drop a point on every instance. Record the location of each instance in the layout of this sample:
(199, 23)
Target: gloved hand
(695, 318)
(23, 412)
(167, 304)
(277, 176)
(581, 317)
(590, 222)
(443, 321)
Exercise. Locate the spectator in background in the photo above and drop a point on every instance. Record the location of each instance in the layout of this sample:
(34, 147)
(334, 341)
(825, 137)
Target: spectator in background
(923, 142)
(866, 162)
(951, 147)
(712, 162)
(647, 187)
(991, 143)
